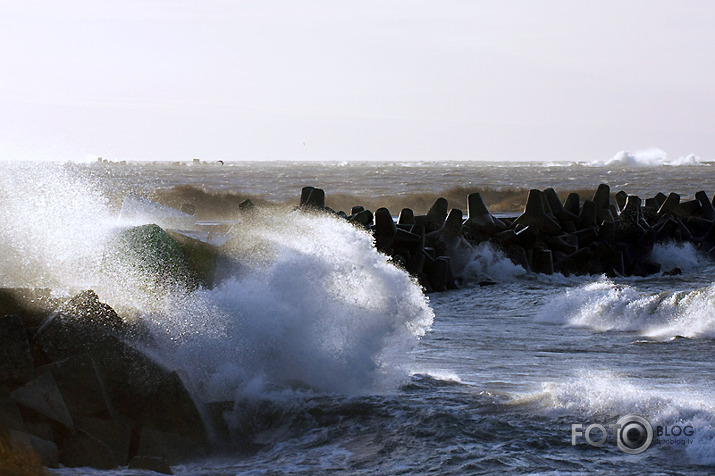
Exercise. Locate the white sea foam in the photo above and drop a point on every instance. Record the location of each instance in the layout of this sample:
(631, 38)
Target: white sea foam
(605, 306)
(489, 262)
(680, 255)
(600, 396)
(652, 157)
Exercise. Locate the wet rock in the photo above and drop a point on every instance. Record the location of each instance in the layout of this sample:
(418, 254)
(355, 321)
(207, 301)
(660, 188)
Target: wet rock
(82, 449)
(115, 435)
(201, 258)
(407, 217)
(149, 253)
(16, 360)
(42, 395)
(81, 386)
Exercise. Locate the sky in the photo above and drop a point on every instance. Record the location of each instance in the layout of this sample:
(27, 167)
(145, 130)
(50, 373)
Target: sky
(355, 80)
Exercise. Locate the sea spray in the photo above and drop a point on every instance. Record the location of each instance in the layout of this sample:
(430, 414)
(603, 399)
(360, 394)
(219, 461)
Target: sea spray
(54, 226)
(308, 300)
(604, 305)
(316, 307)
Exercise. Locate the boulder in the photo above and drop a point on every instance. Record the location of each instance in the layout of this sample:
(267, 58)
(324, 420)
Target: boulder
(42, 395)
(201, 258)
(80, 384)
(16, 360)
(150, 254)
(115, 435)
(82, 449)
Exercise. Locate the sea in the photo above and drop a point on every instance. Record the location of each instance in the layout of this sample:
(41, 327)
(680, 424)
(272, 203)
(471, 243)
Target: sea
(334, 361)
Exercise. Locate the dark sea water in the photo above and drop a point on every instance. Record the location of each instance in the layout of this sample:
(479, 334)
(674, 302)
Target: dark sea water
(337, 363)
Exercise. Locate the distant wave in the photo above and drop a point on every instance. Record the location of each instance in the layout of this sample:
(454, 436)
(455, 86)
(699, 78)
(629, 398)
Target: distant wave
(605, 306)
(652, 157)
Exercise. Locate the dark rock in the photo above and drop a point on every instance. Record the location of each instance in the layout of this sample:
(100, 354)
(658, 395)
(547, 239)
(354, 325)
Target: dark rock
(706, 208)
(315, 200)
(561, 214)
(670, 206)
(42, 395)
(151, 463)
(453, 224)
(305, 194)
(673, 272)
(82, 449)
(115, 435)
(602, 197)
(16, 360)
(621, 197)
(356, 209)
(660, 199)
(363, 217)
(437, 214)
(588, 217)
(573, 204)
(407, 217)
(246, 205)
(688, 209)
(80, 384)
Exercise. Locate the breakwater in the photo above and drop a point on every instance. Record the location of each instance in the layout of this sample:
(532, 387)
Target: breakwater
(611, 234)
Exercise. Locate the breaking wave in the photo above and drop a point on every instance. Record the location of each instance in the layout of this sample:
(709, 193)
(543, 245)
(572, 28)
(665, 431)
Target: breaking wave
(652, 157)
(606, 306)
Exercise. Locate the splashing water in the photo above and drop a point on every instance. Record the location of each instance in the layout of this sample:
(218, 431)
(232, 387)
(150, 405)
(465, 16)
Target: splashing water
(606, 306)
(313, 304)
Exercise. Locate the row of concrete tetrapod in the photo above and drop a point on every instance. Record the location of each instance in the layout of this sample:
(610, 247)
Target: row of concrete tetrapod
(608, 234)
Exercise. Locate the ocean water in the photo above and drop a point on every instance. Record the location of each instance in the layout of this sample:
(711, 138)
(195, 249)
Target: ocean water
(335, 361)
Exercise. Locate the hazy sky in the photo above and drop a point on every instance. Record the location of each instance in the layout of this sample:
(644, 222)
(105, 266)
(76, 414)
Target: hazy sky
(355, 80)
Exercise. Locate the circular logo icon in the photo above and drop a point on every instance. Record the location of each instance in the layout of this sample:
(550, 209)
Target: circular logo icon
(634, 435)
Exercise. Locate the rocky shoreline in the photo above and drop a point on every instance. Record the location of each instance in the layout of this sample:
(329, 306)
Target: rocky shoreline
(76, 388)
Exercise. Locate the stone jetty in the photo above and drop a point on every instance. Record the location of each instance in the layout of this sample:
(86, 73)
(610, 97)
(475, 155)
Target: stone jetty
(610, 234)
